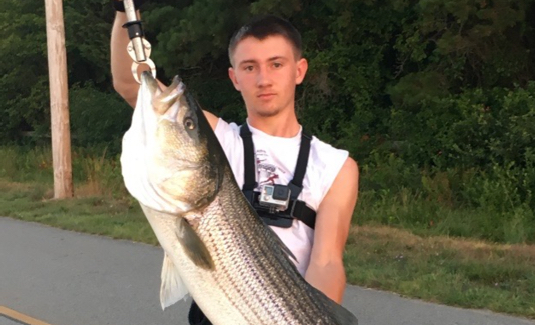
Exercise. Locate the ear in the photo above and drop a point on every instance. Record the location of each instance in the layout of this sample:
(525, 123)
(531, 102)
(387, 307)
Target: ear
(232, 76)
(302, 67)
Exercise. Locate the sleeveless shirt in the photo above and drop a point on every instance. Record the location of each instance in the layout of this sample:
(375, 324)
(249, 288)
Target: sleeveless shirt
(275, 159)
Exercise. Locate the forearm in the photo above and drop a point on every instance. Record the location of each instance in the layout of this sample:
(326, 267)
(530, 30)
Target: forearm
(121, 63)
(329, 279)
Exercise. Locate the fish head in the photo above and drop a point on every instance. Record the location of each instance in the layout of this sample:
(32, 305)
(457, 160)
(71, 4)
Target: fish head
(183, 166)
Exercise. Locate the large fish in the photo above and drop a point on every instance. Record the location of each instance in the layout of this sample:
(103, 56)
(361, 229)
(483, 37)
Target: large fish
(216, 247)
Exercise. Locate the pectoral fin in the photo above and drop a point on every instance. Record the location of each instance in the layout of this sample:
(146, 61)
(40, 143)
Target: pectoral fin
(282, 245)
(193, 245)
(172, 288)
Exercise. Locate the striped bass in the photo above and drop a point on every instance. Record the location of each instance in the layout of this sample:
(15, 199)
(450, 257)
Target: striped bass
(216, 247)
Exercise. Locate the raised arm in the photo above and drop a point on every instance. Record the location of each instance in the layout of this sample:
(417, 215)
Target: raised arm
(326, 270)
(121, 63)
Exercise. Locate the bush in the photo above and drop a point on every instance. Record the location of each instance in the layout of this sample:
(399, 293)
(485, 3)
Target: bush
(476, 128)
(98, 118)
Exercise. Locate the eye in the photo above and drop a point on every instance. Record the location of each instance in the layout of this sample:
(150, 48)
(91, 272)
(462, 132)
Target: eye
(277, 64)
(248, 68)
(189, 124)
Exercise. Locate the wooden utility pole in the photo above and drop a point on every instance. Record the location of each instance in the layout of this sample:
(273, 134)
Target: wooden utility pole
(59, 99)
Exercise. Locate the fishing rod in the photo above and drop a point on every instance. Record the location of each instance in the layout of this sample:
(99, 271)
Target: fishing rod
(138, 48)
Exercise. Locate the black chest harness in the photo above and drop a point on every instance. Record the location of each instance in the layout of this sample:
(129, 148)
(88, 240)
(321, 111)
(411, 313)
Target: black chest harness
(296, 208)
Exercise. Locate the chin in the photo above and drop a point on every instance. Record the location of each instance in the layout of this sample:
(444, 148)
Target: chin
(268, 112)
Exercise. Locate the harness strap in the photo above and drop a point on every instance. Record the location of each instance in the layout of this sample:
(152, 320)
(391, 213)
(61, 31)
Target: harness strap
(296, 184)
(249, 181)
(302, 212)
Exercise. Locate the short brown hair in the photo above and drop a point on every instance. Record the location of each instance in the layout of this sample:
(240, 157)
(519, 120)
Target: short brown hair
(264, 26)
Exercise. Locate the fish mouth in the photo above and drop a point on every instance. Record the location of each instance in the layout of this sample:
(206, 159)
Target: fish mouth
(165, 103)
(147, 80)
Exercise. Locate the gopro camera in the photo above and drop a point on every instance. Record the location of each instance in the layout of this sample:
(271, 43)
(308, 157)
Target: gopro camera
(276, 197)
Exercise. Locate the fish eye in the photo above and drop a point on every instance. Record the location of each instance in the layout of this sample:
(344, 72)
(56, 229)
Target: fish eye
(189, 123)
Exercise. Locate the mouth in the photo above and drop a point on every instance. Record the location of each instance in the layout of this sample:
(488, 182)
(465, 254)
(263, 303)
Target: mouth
(266, 96)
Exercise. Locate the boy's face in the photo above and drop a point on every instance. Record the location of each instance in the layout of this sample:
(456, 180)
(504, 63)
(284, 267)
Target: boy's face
(266, 73)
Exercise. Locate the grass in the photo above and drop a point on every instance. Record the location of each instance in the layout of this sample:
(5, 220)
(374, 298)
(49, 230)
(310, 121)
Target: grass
(99, 215)
(403, 242)
(413, 211)
(452, 271)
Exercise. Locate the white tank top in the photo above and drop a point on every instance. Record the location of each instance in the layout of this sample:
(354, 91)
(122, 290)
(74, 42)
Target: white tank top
(276, 158)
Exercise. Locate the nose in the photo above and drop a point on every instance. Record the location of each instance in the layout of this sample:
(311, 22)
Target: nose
(263, 78)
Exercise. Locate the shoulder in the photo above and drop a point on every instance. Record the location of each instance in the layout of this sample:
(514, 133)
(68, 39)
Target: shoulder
(347, 179)
(228, 135)
(326, 153)
(222, 126)
(212, 119)
(350, 168)
(325, 163)
(226, 132)
(342, 195)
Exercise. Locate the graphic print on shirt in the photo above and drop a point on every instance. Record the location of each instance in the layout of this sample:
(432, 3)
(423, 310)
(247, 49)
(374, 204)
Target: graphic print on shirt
(267, 172)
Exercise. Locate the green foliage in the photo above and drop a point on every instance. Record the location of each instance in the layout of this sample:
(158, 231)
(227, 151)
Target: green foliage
(25, 164)
(87, 36)
(98, 118)
(343, 99)
(495, 204)
(95, 171)
(23, 85)
(465, 43)
(478, 127)
(371, 62)
(24, 92)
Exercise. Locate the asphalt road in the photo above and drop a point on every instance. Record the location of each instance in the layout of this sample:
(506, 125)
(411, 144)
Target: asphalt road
(67, 278)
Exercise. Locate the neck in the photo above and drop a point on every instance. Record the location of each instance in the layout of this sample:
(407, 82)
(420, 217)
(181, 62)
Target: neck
(280, 125)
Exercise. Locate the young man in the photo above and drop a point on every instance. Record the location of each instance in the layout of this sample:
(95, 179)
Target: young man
(266, 66)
